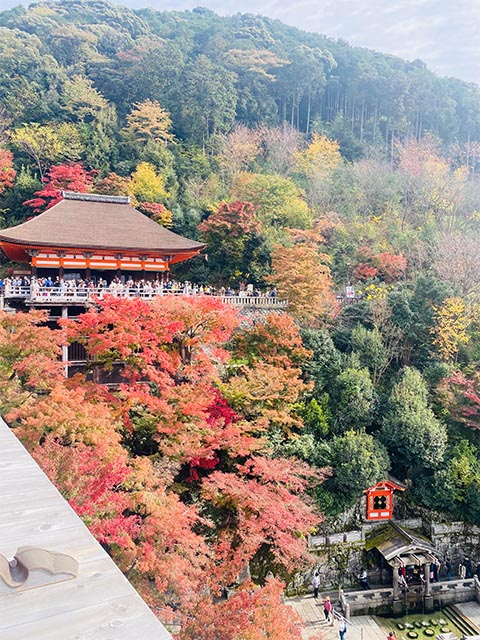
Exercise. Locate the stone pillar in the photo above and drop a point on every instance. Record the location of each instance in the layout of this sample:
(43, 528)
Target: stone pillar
(428, 598)
(426, 573)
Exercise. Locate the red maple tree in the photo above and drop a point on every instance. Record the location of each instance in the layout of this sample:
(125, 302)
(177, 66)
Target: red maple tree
(7, 172)
(71, 176)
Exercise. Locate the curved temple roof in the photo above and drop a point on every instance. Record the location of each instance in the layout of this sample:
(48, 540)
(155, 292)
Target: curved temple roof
(90, 221)
(397, 545)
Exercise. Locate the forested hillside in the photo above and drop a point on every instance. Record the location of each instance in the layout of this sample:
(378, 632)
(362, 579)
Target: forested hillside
(211, 72)
(307, 166)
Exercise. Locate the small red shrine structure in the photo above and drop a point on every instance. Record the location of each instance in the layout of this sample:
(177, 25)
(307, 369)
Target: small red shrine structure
(88, 233)
(380, 500)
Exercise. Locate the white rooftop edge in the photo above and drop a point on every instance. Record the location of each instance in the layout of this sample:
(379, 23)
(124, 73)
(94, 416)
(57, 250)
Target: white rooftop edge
(98, 604)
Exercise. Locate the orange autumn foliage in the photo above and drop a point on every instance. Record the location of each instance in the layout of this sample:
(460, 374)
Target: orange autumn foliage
(167, 469)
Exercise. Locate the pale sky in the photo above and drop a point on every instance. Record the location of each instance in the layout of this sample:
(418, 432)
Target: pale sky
(443, 33)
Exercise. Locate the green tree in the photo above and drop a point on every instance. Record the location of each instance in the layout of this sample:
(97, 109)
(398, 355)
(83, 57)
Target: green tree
(278, 201)
(358, 461)
(324, 363)
(354, 399)
(454, 487)
(369, 347)
(410, 430)
(208, 100)
(234, 240)
(81, 100)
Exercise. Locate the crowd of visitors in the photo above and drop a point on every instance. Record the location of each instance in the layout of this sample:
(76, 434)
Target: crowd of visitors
(120, 287)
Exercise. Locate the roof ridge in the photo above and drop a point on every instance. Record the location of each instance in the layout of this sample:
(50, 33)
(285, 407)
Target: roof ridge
(95, 197)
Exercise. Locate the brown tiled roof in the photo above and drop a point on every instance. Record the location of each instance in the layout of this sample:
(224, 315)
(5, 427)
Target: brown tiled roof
(97, 222)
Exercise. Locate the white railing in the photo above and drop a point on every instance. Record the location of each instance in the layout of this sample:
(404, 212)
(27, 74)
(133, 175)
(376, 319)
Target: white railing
(70, 295)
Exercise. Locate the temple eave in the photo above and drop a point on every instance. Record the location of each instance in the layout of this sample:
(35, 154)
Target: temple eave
(69, 256)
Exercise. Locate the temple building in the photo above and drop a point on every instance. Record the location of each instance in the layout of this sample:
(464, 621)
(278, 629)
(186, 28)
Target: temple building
(88, 235)
(83, 248)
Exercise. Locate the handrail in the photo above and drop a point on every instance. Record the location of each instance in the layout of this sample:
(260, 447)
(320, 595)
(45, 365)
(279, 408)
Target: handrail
(62, 293)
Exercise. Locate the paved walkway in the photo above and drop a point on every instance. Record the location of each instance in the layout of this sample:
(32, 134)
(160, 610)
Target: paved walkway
(315, 626)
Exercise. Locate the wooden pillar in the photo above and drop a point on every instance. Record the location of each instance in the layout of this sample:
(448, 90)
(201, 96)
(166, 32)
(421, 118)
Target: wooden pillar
(65, 346)
(88, 274)
(33, 253)
(143, 259)
(118, 258)
(61, 255)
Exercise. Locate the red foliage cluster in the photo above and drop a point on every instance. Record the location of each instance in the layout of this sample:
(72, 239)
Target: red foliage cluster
(154, 209)
(233, 219)
(364, 272)
(112, 184)
(387, 266)
(463, 398)
(71, 176)
(7, 172)
(251, 613)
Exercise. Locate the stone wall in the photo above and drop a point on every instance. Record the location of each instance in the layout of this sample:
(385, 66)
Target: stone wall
(456, 540)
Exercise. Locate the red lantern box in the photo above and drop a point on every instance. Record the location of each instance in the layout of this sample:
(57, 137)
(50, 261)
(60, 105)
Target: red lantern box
(380, 500)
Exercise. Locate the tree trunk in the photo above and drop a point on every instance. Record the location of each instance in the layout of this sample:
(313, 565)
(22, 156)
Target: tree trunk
(362, 116)
(309, 109)
(375, 122)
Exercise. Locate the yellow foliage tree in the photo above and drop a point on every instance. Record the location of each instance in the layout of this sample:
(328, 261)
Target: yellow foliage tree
(149, 121)
(146, 185)
(454, 317)
(146, 188)
(322, 156)
(48, 143)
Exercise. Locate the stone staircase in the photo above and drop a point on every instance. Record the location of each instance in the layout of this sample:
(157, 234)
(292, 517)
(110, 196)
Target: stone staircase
(314, 623)
(464, 624)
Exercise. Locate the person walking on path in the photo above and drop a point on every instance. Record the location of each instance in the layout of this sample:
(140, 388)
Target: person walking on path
(364, 580)
(392, 636)
(462, 571)
(342, 629)
(448, 568)
(316, 585)
(468, 567)
(327, 608)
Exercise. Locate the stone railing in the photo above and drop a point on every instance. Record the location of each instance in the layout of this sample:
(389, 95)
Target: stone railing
(67, 296)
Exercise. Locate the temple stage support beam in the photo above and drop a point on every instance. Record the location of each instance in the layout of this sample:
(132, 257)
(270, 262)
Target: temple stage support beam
(65, 346)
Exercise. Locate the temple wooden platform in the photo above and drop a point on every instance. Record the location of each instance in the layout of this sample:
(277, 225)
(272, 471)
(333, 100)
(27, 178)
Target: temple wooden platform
(98, 603)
